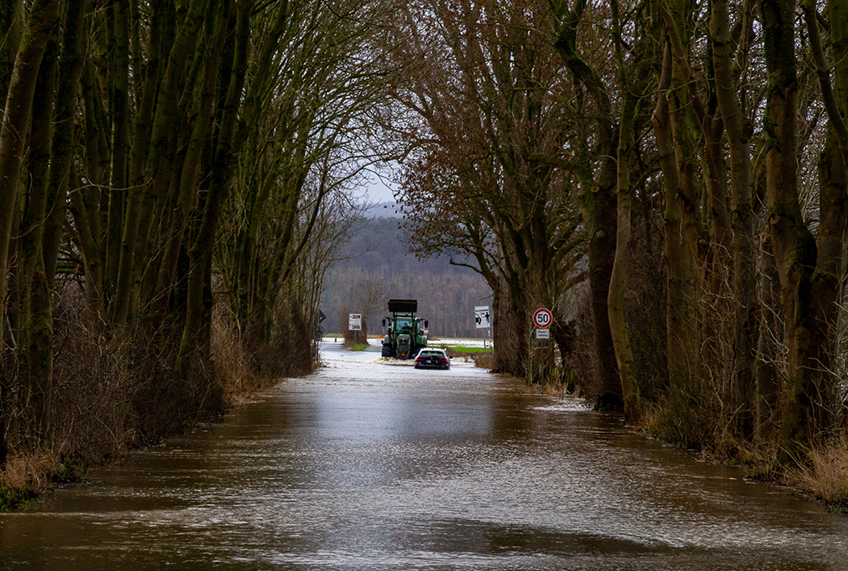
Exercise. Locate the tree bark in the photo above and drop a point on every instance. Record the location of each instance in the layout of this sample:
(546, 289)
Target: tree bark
(187, 184)
(632, 95)
(70, 70)
(35, 334)
(602, 202)
(618, 279)
(794, 246)
(682, 347)
(119, 91)
(599, 206)
(768, 381)
(744, 278)
(193, 339)
(160, 164)
(11, 23)
(42, 21)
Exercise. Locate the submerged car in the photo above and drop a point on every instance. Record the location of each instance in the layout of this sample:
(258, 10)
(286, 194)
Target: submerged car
(432, 358)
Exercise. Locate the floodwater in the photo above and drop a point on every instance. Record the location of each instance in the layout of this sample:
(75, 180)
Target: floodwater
(370, 466)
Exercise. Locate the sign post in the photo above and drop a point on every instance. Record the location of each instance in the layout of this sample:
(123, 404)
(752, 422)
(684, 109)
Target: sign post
(354, 323)
(542, 319)
(483, 320)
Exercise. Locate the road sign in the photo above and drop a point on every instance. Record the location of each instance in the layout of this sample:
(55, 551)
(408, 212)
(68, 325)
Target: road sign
(354, 322)
(543, 333)
(482, 316)
(543, 318)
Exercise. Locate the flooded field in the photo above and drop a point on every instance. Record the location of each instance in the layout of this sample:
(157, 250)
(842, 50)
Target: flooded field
(365, 465)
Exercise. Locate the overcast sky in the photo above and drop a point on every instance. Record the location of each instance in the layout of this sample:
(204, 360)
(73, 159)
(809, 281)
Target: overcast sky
(377, 192)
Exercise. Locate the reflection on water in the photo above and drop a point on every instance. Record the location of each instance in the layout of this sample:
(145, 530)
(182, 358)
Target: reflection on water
(368, 466)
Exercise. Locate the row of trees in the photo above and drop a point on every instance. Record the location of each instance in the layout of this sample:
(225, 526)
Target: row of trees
(584, 147)
(167, 166)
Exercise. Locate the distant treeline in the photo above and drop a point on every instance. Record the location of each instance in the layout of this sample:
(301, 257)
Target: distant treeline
(378, 266)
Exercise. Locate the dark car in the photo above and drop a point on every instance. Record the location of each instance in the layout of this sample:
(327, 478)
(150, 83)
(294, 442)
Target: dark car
(432, 358)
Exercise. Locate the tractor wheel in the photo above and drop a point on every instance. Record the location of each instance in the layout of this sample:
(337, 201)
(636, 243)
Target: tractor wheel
(387, 350)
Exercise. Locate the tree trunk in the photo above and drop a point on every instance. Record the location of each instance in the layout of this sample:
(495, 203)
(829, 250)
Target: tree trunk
(42, 20)
(618, 279)
(682, 347)
(201, 250)
(830, 264)
(768, 381)
(633, 93)
(744, 279)
(794, 246)
(598, 203)
(11, 23)
(35, 328)
(70, 70)
(119, 86)
(160, 165)
(140, 147)
(187, 184)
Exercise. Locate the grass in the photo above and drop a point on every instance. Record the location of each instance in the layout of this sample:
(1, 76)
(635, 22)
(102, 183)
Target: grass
(24, 477)
(825, 475)
(15, 498)
(358, 347)
(465, 350)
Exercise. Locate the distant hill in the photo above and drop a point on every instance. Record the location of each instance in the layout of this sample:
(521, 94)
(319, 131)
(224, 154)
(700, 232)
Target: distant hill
(378, 266)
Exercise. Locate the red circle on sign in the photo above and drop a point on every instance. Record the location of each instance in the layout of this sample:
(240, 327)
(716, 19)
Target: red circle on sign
(543, 318)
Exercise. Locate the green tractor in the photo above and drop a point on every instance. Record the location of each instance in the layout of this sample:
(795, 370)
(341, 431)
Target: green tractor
(404, 332)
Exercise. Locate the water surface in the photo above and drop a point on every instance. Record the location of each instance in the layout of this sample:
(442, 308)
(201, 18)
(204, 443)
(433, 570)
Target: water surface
(369, 466)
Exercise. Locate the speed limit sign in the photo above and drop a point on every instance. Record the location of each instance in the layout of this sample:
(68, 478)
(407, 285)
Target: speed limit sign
(543, 318)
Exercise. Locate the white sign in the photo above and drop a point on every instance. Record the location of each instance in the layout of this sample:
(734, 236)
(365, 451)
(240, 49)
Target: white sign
(354, 322)
(543, 318)
(482, 316)
(543, 333)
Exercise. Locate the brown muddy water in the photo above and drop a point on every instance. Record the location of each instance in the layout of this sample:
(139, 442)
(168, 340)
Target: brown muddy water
(369, 466)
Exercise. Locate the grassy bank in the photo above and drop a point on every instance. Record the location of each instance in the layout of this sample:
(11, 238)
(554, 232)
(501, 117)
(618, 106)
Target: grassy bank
(824, 476)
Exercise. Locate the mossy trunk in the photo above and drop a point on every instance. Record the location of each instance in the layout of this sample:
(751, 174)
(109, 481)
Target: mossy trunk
(742, 246)
(794, 245)
(34, 323)
(626, 153)
(768, 381)
(70, 70)
(598, 204)
(195, 341)
(682, 347)
(618, 279)
(208, 51)
(11, 23)
(43, 17)
(15, 121)
(160, 164)
(118, 32)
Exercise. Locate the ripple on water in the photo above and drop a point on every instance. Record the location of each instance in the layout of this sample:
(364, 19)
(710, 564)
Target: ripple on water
(364, 466)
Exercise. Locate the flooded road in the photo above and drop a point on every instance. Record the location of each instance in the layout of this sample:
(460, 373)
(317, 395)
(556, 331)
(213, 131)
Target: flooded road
(371, 466)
